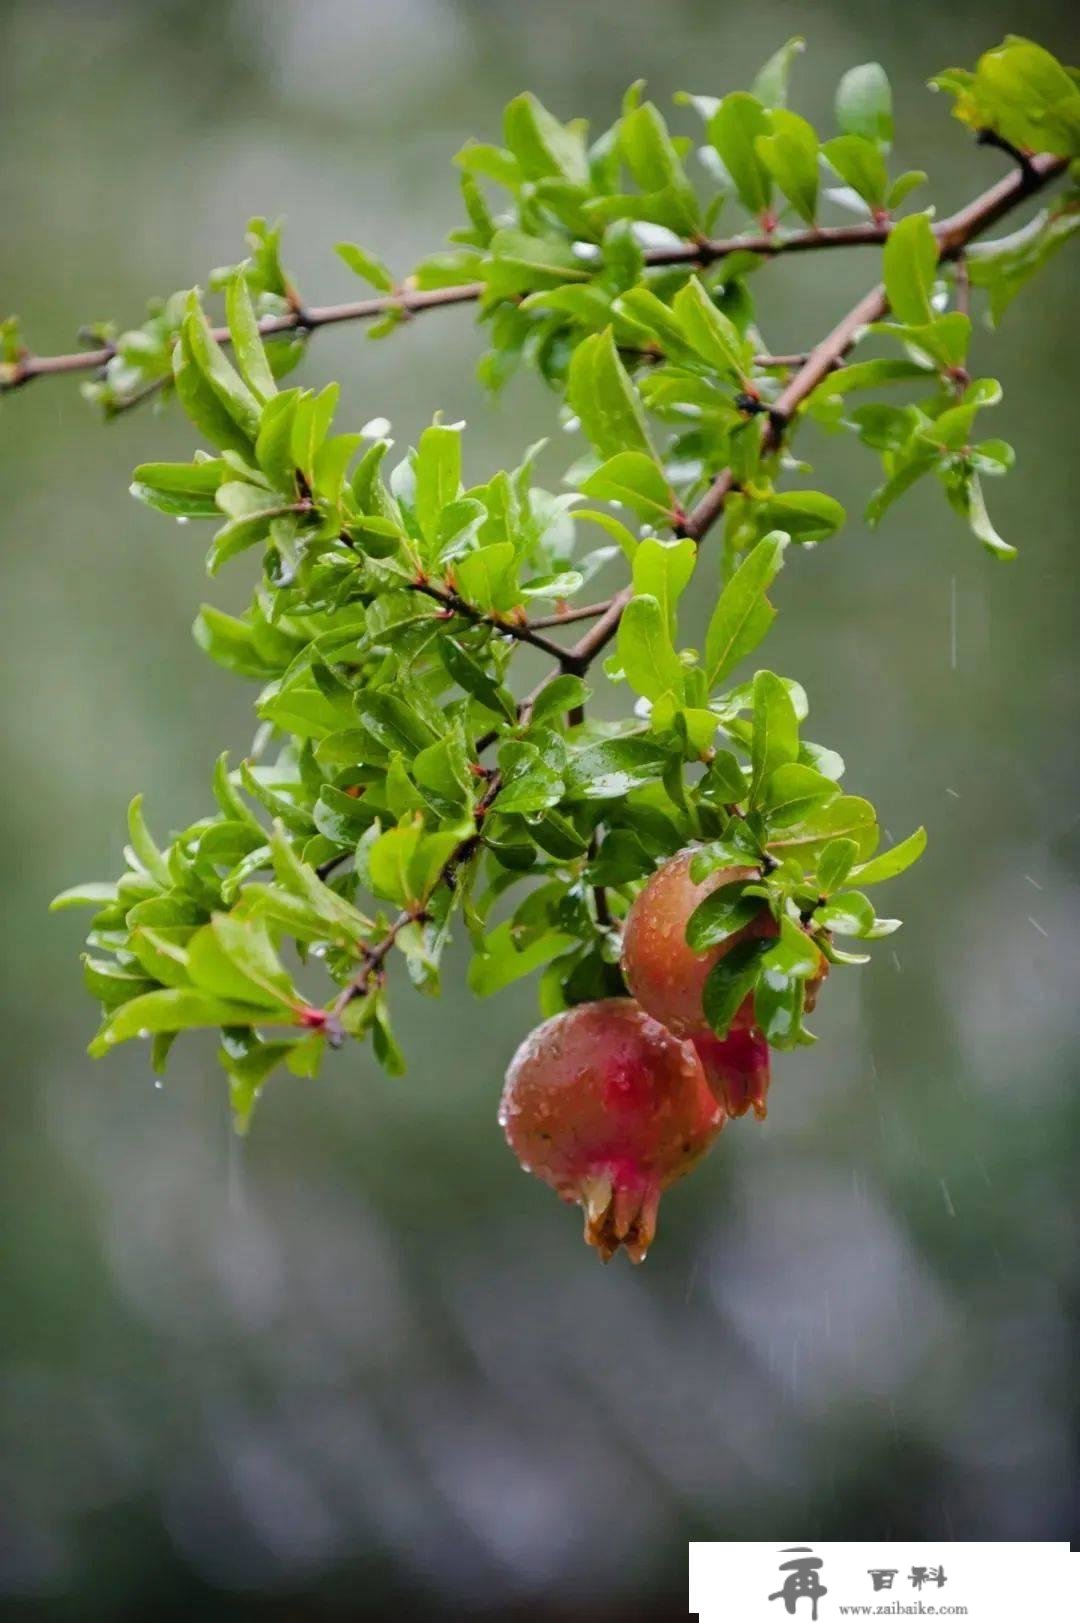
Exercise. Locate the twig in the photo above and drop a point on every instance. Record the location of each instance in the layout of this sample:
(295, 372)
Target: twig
(522, 630)
(412, 301)
(587, 611)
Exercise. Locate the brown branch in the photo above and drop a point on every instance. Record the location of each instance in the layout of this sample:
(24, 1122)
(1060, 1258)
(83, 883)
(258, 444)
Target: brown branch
(412, 301)
(521, 630)
(587, 611)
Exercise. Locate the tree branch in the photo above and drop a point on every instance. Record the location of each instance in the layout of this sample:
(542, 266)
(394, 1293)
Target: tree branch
(413, 301)
(522, 630)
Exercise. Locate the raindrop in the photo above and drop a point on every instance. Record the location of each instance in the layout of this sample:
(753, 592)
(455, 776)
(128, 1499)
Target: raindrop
(1037, 926)
(953, 793)
(181, 520)
(1033, 882)
(376, 429)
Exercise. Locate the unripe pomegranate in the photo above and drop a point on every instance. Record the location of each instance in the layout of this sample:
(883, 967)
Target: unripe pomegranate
(662, 972)
(608, 1107)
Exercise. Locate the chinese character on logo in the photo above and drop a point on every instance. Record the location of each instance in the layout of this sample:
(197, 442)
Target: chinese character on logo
(927, 1575)
(802, 1582)
(883, 1576)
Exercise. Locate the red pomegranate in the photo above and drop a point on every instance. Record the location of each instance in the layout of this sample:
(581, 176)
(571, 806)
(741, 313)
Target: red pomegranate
(608, 1107)
(662, 972)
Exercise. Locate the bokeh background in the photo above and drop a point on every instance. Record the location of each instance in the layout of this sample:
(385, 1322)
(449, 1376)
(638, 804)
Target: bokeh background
(359, 1362)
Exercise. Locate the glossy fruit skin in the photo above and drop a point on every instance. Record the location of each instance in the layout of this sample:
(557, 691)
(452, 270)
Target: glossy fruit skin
(663, 974)
(609, 1108)
(736, 1066)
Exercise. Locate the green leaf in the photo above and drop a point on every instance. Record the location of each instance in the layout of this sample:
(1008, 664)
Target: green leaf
(834, 864)
(775, 737)
(95, 893)
(849, 817)
(471, 676)
(201, 403)
(247, 340)
(771, 85)
(443, 767)
(662, 569)
(709, 332)
(723, 782)
(973, 504)
(803, 515)
(600, 392)
(178, 1009)
(227, 384)
(654, 162)
(230, 643)
(500, 963)
(910, 266)
(393, 722)
(366, 266)
(530, 783)
(247, 945)
(635, 480)
(542, 146)
(864, 103)
(144, 847)
(561, 694)
(860, 164)
(724, 911)
(181, 489)
(610, 769)
(339, 917)
(790, 154)
(730, 982)
(793, 956)
(273, 446)
(1005, 266)
(792, 791)
(902, 187)
(743, 614)
(487, 578)
(438, 475)
(733, 131)
(645, 649)
(847, 913)
(891, 863)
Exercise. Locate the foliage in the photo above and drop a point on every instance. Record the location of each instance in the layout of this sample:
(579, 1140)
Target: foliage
(396, 782)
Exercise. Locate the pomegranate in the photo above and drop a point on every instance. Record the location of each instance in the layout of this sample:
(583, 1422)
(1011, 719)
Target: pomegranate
(662, 972)
(737, 1066)
(609, 1108)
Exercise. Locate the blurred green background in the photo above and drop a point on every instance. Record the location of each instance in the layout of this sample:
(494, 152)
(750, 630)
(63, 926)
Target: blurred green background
(359, 1361)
